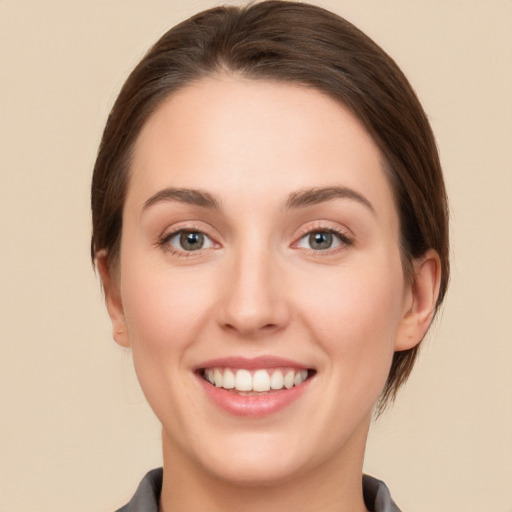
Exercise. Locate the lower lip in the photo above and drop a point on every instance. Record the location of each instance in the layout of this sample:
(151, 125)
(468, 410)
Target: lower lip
(253, 405)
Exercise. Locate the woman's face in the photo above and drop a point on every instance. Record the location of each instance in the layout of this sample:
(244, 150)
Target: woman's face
(259, 248)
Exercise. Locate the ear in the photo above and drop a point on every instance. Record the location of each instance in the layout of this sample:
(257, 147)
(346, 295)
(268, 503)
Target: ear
(113, 300)
(420, 301)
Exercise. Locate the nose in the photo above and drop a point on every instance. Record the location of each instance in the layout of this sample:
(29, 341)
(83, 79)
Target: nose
(254, 300)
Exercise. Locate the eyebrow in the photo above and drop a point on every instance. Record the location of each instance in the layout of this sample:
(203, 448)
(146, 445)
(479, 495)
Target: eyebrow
(184, 195)
(312, 196)
(299, 199)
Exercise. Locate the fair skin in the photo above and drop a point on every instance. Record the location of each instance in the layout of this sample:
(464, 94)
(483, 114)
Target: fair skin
(253, 263)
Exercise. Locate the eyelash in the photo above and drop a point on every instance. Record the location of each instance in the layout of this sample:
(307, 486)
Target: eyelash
(344, 240)
(166, 238)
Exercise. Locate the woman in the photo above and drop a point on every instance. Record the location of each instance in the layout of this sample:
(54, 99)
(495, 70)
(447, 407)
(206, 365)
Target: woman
(270, 227)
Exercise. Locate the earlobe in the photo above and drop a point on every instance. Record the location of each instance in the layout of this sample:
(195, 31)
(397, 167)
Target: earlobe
(421, 302)
(113, 300)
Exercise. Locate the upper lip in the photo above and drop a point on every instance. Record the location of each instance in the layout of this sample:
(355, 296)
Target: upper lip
(251, 363)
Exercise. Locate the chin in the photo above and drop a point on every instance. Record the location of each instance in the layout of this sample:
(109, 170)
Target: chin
(257, 472)
(246, 459)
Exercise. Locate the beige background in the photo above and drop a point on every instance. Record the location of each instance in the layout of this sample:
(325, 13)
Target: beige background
(75, 432)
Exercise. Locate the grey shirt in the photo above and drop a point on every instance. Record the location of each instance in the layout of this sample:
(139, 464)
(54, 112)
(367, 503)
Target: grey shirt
(376, 495)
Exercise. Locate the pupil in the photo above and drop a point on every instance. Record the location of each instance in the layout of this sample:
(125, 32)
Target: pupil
(191, 241)
(320, 240)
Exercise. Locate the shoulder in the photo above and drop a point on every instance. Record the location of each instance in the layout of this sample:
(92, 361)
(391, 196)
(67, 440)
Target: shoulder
(147, 494)
(377, 496)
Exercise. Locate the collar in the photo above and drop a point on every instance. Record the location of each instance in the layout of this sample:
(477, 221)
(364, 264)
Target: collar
(376, 494)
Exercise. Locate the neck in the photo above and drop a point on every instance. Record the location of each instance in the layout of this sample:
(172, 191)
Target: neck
(335, 485)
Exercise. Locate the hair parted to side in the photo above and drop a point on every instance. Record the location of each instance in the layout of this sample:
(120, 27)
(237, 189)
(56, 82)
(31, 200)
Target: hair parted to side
(294, 43)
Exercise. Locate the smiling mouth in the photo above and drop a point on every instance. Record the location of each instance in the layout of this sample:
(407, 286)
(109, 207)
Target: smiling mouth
(255, 382)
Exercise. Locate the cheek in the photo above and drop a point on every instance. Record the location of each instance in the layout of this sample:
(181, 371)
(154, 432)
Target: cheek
(162, 310)
(164, 316)
(355, 314)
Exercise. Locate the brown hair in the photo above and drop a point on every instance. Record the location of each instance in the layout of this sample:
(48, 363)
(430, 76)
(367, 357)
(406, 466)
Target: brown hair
(303, 44)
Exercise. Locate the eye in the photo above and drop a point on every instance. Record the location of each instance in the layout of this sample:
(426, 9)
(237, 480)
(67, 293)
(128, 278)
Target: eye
(322, 240)
(188, 241)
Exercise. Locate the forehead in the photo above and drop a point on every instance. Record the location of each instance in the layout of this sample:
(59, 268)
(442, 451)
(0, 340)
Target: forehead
(245, 137)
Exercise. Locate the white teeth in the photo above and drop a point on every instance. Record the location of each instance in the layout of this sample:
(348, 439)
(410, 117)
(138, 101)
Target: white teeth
(243, 381)
(299, 377)
(289, 379)
(258, 381)
(217, 378)
(229, 380)
(277, 380)
(261, 381)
